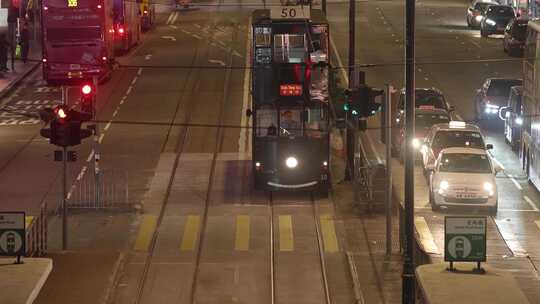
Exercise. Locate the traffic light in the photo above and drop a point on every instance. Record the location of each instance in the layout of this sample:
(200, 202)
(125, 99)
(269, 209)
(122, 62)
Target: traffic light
(87, 98)
(361, 101)
(65, 126)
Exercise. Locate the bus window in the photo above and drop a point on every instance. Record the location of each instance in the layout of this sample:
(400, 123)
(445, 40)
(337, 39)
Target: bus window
(289, 122)
(289, 48)
(266, 122)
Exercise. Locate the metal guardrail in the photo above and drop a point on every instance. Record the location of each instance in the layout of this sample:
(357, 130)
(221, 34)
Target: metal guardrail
(36, 233)
(109, 191)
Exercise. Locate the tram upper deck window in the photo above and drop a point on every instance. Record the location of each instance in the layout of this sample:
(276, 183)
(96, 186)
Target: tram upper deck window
(289, 48)
(262, 36)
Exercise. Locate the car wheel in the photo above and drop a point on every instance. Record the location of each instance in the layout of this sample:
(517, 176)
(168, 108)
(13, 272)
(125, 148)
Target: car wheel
(434, 207)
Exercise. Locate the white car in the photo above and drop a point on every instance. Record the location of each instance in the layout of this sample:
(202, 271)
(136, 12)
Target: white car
(463, 177)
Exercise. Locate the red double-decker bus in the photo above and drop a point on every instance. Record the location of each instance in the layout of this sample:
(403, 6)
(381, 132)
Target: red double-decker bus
(78, 39)
(127, 24)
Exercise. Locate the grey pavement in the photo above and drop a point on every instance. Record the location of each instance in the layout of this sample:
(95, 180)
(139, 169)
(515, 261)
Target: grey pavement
(21, 283)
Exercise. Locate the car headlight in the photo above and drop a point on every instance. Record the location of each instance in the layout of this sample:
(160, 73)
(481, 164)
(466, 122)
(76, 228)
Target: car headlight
(488, 187)
(416, 143)
(443, 185)
(490, 22)
(519, 121)
(478, 18)
(490, 108)
(291, 162)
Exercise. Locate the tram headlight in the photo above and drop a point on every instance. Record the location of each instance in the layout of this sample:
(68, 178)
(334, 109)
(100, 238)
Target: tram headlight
(416, 143)
(291, 162)
(519, 121)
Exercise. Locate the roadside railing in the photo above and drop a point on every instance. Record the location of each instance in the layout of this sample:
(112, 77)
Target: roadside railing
(109, 190)
(36, 233)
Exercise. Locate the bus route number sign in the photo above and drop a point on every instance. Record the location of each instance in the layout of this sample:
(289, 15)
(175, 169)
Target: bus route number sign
(290, 12)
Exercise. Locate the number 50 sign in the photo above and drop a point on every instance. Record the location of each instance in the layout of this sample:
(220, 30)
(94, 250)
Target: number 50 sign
(290, 12)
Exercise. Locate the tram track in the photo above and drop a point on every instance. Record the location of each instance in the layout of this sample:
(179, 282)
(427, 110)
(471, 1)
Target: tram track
(188, 109)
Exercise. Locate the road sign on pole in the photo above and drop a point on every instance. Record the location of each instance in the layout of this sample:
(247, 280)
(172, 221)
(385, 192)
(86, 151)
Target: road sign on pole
(12, 234)
(464, 239)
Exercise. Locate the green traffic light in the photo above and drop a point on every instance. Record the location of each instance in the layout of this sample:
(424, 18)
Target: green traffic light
(354, 112)
(346, 107)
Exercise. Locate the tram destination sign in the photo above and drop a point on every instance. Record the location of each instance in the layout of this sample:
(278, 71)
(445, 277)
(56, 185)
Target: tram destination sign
(290, 12)
(12, 234)
(465, 239)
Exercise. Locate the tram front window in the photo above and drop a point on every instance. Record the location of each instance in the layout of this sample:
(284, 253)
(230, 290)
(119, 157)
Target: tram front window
(266, 122)
(290, 122)
(289, 48)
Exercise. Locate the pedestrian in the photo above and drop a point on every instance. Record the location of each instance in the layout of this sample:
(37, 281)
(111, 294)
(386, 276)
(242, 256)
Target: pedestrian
(24, 41)
(4, 48)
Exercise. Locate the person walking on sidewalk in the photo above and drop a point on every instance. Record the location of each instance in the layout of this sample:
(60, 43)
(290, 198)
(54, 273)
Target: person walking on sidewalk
(4, 48)
(24, 41)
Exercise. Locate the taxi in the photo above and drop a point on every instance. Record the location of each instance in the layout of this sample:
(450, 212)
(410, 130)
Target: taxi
(448, 135)
(463, 177)
(425, 117)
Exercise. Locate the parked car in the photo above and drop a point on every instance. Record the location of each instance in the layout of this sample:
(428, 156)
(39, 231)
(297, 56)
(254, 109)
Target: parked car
(514, 37)
(474, 12)
(513, 117)
(495, 20)
(448, 135)
(492, 96)
(463, 177)
(425, 97)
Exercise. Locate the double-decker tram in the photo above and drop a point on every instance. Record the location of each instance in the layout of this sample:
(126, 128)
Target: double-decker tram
(290, 113)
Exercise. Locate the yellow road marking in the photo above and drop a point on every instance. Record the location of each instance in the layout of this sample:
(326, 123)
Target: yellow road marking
(191, 233)
(146, 231)
(328, 230)
(286, 242)
(28, 221)
(537, 224)
(426, 238)
(241, 242)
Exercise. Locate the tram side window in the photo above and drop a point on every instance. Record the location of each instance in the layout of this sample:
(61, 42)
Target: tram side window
(289, 48)
(290, 122)
(266, 122)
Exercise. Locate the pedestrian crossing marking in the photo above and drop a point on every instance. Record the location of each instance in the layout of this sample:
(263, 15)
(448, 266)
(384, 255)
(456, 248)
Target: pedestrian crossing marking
(426, 238)
(191, 233)
(241, 242)
(329, 233)
(537, 224)
(286, 242)
(146, 232)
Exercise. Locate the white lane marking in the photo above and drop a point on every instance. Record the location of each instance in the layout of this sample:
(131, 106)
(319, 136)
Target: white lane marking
(134, 80)
(170, 18)
(197, 25)
(235, 53)
(459, 117)
(101, 137)
(148, 57)
(515, 182)
(530, 202)
(173, 21)
(196, 36)
(518, 210)
(115, 112)
(510, 238)
(139, 71)
(476, 44)
(89, 159)
(81, 174)
(537, 224)
(107, 126)
(171, 38)
(173, 26)
(185, 32)
(244, 124)
(426, 238)
(122, 101)
(216, 61)
(129, 90)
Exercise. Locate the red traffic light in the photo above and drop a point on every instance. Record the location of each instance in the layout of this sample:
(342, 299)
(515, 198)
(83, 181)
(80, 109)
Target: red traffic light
(86, 89)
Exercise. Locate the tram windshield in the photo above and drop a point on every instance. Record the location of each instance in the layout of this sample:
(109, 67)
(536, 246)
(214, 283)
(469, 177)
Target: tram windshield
(289, 48)
(311, 122)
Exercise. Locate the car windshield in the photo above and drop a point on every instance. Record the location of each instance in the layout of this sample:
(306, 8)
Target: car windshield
(465, 163)
(481, 5)
(429, 98)
(425, 121)
(447, 139)
(500, 11)
(501, 87)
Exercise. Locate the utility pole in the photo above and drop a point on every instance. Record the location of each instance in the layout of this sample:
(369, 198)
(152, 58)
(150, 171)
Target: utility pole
(388, 142)
(97, 185)
(353, 82)
(64, 182)
(409, 280)
(323, 7)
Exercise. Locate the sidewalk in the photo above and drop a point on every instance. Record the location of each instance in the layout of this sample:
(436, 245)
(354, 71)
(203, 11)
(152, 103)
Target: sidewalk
(10, 79)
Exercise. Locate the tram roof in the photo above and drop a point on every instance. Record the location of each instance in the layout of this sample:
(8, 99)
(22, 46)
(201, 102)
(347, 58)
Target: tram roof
(263, 16)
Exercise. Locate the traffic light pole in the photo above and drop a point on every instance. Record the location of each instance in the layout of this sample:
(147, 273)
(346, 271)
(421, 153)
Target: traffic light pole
(97, 185)
(409, 280)
(352, 81)
(64, 184)
(388, 142)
